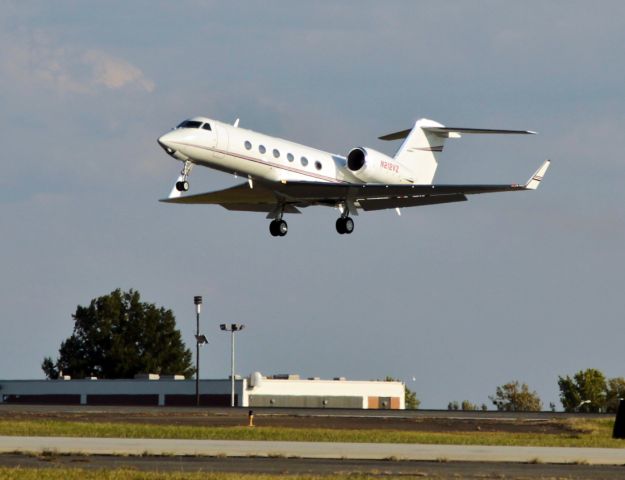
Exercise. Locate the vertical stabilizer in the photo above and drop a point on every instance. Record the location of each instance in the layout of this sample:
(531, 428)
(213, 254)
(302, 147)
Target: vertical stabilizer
(419, 151)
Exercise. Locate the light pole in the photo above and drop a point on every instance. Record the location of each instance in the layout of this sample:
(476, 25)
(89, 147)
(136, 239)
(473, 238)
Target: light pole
(199, 340)
(232, 327)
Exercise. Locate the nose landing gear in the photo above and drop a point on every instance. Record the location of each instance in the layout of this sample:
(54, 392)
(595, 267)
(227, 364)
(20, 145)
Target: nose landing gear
(182, 185)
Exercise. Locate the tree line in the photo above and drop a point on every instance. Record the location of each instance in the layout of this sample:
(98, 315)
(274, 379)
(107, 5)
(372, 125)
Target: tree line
(587, 391)
(118, 336)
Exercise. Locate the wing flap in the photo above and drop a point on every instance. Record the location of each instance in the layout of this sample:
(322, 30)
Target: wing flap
(326, 192)
(401, 202)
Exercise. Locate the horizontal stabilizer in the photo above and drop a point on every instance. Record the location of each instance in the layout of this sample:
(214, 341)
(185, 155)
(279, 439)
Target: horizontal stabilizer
(446, 131)
(396, 135)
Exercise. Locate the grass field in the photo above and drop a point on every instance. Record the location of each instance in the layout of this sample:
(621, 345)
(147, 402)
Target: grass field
(122, 474)
(589, 433)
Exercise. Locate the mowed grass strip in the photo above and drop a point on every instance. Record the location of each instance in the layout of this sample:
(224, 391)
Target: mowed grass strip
(589, 433)
(127, 474)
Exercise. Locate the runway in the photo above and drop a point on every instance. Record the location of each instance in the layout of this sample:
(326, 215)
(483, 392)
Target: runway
(312, 450)
(303, 466)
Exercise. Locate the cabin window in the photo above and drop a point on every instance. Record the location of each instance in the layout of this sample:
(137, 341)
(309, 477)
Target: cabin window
(318, 165)
(262, 149)
(276, 153)
(248, 145)
(206, 126)
(290, 157)
(304, 161)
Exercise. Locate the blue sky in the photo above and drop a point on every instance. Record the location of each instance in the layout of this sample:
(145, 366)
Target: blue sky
(462, 297)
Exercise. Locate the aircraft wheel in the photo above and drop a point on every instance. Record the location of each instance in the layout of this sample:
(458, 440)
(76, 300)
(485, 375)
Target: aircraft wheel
(283, 228)
(340, 225)
(278, 228)
(348, 225)
(182, 186)
(273, 228)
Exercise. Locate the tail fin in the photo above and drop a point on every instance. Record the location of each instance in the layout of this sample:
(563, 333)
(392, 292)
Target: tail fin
(419, 151)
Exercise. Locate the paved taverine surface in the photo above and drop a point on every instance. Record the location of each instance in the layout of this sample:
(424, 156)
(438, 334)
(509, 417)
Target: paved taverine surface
(125, 446)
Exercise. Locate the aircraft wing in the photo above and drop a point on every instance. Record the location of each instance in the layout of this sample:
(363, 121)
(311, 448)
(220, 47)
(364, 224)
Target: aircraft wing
(264, 197)
(240, 197)
(408, 194)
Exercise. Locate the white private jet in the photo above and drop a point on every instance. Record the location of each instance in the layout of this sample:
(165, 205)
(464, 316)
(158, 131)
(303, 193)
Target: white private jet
(284, 176)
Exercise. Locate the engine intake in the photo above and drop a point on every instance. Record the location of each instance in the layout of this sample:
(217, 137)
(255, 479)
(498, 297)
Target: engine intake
(356, 159)
(369, 165)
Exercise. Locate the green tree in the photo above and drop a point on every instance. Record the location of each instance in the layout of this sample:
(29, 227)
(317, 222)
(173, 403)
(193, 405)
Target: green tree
(615, 390)
(516, 397)
(118, 336)
(411, 401)
(585, 392)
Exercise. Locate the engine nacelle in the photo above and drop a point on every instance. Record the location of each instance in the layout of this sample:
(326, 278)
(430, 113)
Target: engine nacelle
(372, 166)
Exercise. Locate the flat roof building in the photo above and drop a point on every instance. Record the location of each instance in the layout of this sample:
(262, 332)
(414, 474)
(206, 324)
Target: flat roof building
(255, 391)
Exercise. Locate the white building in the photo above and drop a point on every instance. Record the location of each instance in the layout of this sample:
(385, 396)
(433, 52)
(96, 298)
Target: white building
(255, 391)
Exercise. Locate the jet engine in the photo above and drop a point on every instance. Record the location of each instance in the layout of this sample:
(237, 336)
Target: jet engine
(371, 166)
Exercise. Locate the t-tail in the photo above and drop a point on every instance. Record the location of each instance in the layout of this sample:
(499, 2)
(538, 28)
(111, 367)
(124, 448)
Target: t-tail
(425, 141)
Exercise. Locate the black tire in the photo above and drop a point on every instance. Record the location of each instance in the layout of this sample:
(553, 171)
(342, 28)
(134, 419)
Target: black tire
(283, 228)
(273, 228)
(340, 225)
(348, 225)
(179, 186)
(185, 186)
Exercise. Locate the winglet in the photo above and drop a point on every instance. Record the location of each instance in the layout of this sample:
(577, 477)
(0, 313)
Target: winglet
(534, 181)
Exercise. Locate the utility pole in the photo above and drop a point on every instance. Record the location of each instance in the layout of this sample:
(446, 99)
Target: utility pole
(199, 340)
(232, 328)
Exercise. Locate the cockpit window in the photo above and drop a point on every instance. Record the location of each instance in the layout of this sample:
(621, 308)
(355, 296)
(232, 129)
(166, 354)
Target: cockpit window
(206, 126)
(190, 124)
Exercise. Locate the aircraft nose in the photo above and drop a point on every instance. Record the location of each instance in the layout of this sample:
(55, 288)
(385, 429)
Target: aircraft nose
(165, 142)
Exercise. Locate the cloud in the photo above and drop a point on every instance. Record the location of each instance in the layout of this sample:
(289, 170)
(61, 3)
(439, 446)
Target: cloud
(114, 72)
(36, 59)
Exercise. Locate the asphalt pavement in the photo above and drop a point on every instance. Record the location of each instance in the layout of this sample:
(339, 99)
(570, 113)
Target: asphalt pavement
(305, 466)
(320, 450)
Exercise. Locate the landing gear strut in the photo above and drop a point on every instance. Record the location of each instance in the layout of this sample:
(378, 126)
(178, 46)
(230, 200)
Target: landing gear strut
(278, 228)
(344, 225)
(182, 185)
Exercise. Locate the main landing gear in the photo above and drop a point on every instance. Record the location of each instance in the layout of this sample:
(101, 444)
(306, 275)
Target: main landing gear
(345, 225)
(182, 185)
(278, 228)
